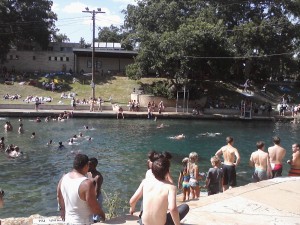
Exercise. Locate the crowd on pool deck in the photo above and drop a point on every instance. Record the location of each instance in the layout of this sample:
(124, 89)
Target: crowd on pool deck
(159, 189)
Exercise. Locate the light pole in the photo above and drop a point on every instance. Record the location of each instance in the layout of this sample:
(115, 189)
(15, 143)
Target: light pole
(93, 12)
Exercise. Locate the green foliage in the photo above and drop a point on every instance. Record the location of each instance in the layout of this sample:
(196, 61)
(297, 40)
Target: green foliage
(113, 203)
(160, 88)
(60, 38)
(25, 21)
(191, 39)
(133, 71)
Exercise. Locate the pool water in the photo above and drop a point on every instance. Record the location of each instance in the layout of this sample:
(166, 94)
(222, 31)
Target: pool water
(121, 146)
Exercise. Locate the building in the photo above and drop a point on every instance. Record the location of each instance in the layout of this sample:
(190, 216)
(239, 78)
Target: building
(110, 58)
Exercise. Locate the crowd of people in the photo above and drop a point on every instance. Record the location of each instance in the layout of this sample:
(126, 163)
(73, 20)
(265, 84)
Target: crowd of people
(267, 164)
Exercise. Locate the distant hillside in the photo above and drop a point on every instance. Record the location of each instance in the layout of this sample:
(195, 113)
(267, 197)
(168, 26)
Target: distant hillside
(120, 88)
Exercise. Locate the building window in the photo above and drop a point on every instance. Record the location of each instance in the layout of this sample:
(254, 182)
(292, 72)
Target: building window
(67, 59)
(33, 57)
(50, 49)
(49, 58)
(17, 57)
(61, 58)
(55, 58)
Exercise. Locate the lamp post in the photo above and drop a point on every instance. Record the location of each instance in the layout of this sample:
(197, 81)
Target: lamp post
(93, 12)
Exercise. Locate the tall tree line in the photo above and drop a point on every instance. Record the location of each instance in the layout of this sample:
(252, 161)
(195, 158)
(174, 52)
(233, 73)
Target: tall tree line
(194, 39)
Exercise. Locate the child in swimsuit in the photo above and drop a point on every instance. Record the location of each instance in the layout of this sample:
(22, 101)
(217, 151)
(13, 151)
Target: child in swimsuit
(183, 180)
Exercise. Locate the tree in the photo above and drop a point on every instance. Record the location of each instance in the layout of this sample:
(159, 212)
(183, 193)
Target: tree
(60, 38)
(114, 34)
(190, 39)
(25, 21)
(82, 42)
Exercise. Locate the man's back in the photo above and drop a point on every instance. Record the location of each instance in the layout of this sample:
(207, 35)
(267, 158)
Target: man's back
(155, 200)
(260, 159)
(276, 154)
(229, 153)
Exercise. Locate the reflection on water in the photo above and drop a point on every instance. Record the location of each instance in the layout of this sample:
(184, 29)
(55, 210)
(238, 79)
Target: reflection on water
(121, 147)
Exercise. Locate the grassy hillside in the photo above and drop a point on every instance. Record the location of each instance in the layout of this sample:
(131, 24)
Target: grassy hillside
(120, 88)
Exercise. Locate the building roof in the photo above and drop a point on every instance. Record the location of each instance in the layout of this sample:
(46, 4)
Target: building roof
(105, 53)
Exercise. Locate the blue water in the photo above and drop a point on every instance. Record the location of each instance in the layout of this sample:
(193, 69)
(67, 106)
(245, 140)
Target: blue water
(121, 147)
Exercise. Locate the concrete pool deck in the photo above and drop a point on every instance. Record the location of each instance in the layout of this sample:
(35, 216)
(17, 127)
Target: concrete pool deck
(27, 110)
(274, 201)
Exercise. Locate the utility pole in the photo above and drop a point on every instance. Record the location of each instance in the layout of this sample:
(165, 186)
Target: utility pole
(93, 12)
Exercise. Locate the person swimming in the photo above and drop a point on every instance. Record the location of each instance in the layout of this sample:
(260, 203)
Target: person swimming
(60, 145)
(71, 141)
(33, 135)
(178, 137)
(210, 134)
(50, 142)
(160, 126)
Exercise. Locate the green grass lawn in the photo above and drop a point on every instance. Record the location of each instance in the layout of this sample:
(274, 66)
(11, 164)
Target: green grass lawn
(119, 88)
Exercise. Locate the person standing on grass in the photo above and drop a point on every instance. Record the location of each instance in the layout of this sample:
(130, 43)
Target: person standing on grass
(73, 103)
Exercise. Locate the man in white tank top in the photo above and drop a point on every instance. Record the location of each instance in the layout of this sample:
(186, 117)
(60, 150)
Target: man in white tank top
(76, 194)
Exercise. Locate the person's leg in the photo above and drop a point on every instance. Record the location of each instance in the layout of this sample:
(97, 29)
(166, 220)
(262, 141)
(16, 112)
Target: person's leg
(182, 210)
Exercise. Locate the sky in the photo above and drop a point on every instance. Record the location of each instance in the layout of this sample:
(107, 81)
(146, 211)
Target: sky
(72, 22)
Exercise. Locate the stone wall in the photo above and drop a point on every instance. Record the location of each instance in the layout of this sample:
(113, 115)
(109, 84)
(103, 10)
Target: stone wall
(145, 99)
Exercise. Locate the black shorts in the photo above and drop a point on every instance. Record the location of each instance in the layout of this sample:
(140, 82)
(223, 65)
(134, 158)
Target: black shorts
(229, 175)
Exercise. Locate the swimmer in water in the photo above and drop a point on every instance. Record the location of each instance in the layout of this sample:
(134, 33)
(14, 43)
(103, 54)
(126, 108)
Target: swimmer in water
(1, 198)
(21, 129)
(2, 144)
(210, 134)
(50, 142)
(80, 134)
(38, 120)
(86, 127)
(71, 141)
(33, 135)
(60, 145)
(160, 126)
(178, 137)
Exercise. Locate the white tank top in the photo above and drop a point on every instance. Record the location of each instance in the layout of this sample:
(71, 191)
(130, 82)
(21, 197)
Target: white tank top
(77, 210)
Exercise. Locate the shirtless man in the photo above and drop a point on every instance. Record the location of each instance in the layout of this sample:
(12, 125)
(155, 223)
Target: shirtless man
(159, 196)
(276, 154)
(97, 179)
(260, 161)
(295, 161)
(231, 161)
